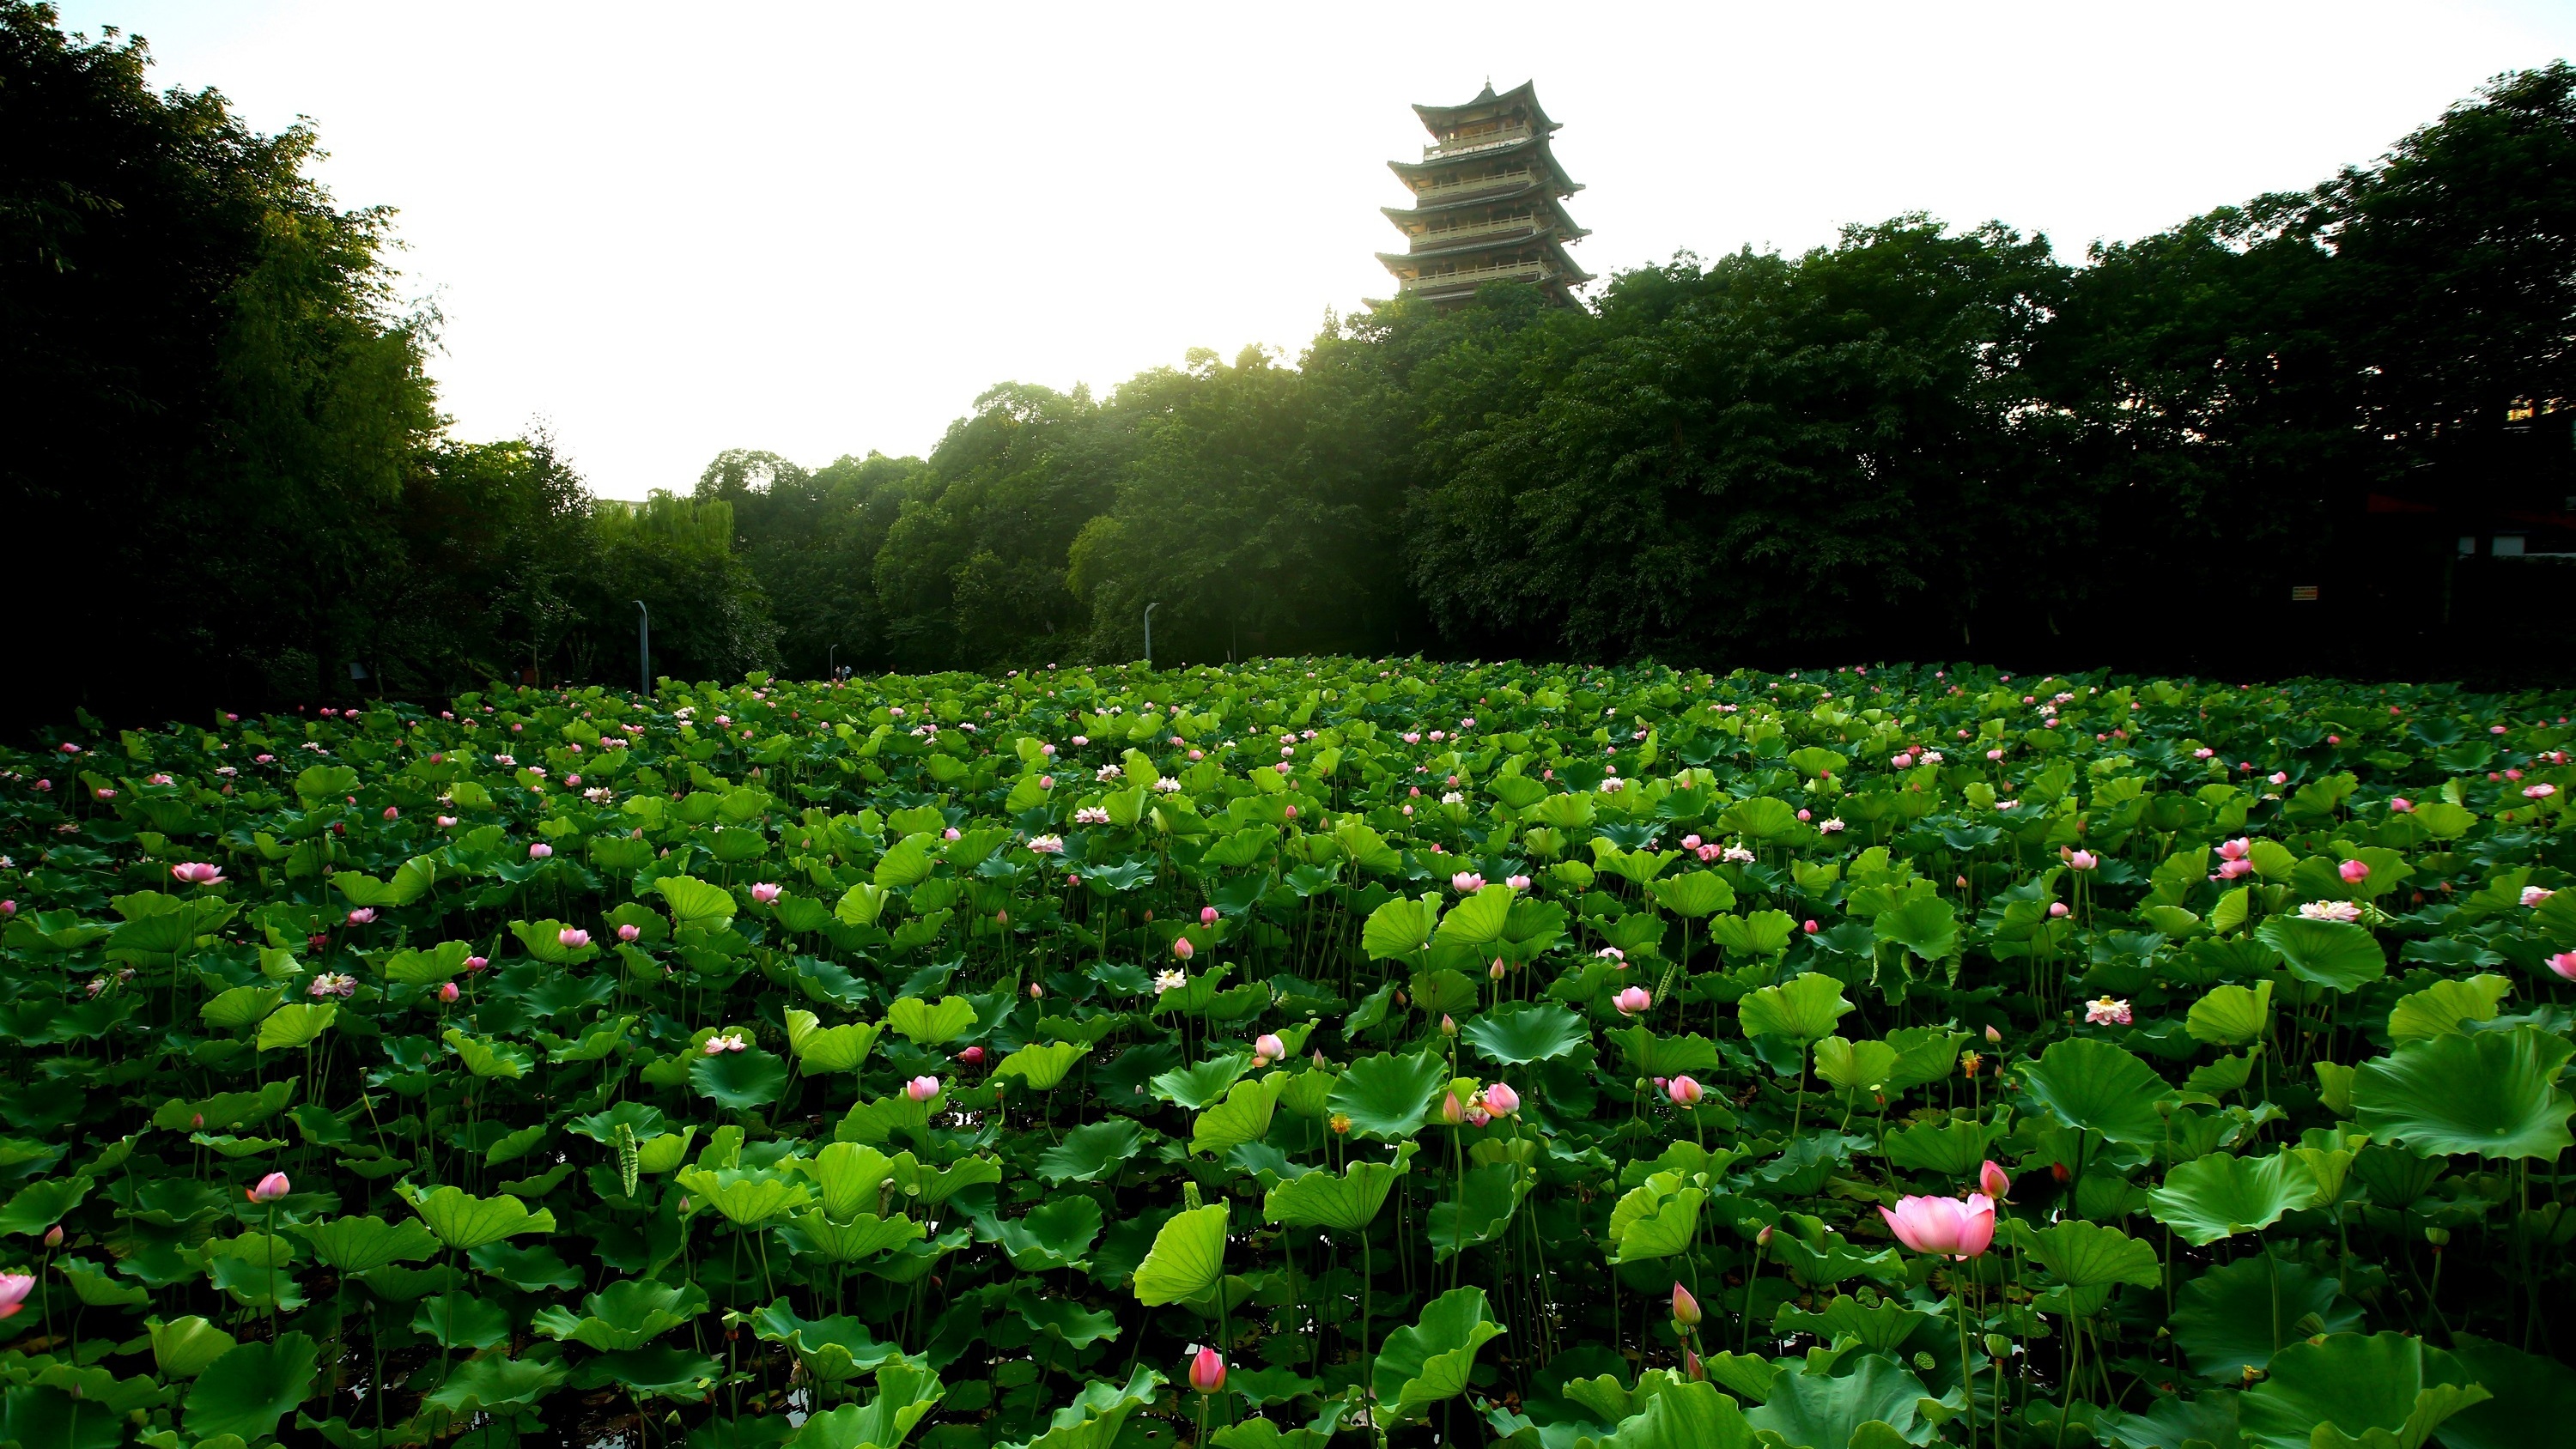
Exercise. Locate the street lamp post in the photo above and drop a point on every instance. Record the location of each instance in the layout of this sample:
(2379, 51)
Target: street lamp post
(1149, 633)
(643, 650)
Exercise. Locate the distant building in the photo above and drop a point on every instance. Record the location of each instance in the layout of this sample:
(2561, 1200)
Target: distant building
(1488, 202)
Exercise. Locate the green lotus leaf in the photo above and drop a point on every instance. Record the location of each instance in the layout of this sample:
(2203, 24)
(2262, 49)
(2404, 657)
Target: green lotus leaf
(1204, 1085)
(739, 1080)
(926, 1025)
(2332, 954)
(1925, 926)
(2237, 1315)
(1091, 1150)
(2355, 1383)
(629, 1313)
(906, 1391)
(1828, 1409)
(1096, 1416)
(1858, 1068)
(1516, 1033)
(849, 1241)
(819, 1048)
(2444, 1007)
(1043, 1067)
(1804, 1009)
(1476, 920)
(694, 902)
(1054, 1234)
(1244, 1116)
(1399, 928)
(361, 1244)
(2231, 1015)
(1388, 1096)
(2222, 1194)
(1696, 894)
(1347, 1201)
(495, 1381)
(465, 1223)
(251, 1387)
(1952, 1149)
(1487, 1196)
(295, 1025)
(2493, 1093)
(1187, 1257)
(2094, 1085)
(183, 1348)
(39, 1205)
(2533, 1398)
(2085, 1255)
(240, 1006)
(461, 1320)
(1430, 1360)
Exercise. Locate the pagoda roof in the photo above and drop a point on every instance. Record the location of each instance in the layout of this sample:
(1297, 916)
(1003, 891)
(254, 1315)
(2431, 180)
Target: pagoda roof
(1565, 220)
(1434, 118)
(1492, 241)
(1536, 143)
(1567, 271)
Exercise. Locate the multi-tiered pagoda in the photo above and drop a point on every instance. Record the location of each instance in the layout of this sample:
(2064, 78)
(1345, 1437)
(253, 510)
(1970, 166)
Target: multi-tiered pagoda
(1488, 202)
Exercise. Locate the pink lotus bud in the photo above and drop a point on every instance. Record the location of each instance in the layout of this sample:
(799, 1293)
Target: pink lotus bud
(477, 963)
(1036, 992)
(1992, 1034)
(2056, 908)
(952, 833)
(1762, 1239)
(1207, 915)
(392, 814)
(1292, 812)
(1182, 948)
(1690, 842)
(1685, 1091)
(628, 933)
(8, 908)
(197, 1121)
(54, 1236)
(921, 1089)
(540, 850)
(1809, 927)
(1803, 815)
(973, 1056)
(447, 992)
(764, 892)
(2354, 872)
(1452, 1111)
(1269, 1047)
(2400, 804)
(1685, 1307)
(1207, 1371)
(270, 1188)
(1993, 1181)
(572, 938)
(1632, 1001)
(1046, 782)
(363, 915)
(1501, 1100)
(1448, 1024)
(2564, 964)
(1495, 970)
(446, 822)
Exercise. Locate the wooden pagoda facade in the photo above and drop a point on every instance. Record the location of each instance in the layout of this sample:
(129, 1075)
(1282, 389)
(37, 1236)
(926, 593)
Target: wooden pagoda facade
(1488, 203)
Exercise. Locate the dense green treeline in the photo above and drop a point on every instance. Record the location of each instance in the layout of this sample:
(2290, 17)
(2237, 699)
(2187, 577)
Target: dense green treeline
(232, 480)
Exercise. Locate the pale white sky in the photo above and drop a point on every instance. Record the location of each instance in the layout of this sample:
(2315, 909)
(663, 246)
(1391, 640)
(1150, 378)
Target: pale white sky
(824, 228)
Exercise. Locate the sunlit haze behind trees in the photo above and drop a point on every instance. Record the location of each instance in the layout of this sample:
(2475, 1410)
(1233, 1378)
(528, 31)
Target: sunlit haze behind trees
(820, 229)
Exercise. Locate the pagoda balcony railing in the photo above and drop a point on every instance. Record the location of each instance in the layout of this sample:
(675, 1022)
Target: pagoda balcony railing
(1469, 145)
(1461, 188)
(1433, 240)
(1477, 276)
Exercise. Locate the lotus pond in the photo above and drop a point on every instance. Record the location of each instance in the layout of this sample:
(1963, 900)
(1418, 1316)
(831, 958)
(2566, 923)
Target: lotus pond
(1300, 1053)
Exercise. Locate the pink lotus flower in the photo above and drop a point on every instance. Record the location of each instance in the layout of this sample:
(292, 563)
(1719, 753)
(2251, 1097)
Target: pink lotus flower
(1685, 1091)
(921, 1089)
(2354, 872)
(1207, 915)
(2082, 860)
(572, 938)
(1207, 1371)
(1944, 1225)
(2541, 791)
(1993, 1181)
(1182, 948)
(2237, 849)
(446, 822)
(1632, 1001)
(2564, 964)
(628, 932)
(270, 1188)
(197, 872)
(540, 850)
(2534, 895)
(1808, 926)
(448, 992)
(477, 963)
(2279, 777)
(1268, 1048)
(14, 1288)
(363, 915)
(764, 892)
(1466, 882)
(2234, 869)
(1501, 1100)
(2105, 1011)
